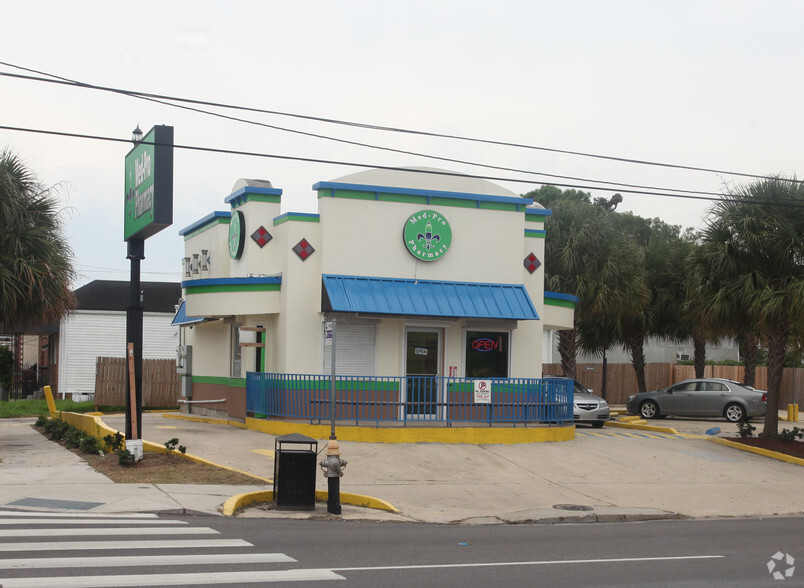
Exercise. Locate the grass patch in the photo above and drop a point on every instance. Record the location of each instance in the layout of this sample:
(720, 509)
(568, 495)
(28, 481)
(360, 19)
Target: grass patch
(35, 406)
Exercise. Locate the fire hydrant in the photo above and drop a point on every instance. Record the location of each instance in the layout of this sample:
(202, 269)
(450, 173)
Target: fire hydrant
(332, 467)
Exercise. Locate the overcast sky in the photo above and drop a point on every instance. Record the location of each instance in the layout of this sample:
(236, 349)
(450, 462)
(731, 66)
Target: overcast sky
(703, 84)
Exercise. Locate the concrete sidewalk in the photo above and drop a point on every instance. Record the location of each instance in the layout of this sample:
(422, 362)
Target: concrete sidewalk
(607, 474)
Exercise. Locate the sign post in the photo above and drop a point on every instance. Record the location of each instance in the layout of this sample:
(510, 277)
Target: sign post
(148, 208)
(330, 334)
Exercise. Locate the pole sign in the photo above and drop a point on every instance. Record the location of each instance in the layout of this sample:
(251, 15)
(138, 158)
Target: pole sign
(149, 185)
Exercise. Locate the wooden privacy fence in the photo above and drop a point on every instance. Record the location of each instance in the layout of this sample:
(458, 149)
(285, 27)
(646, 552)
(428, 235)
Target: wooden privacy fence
(621, 380)
(160, 382)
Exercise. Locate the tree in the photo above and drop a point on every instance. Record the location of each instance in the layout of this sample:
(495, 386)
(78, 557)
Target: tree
(6, 370)
(753, 255)
(654, 310)
(547, 195)
(35, 261)
(587, 257)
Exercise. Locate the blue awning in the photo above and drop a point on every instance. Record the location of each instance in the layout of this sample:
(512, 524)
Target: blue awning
(182, 319)
(395, 296)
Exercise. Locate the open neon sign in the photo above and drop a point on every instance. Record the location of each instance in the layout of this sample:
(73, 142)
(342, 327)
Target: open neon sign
(485, 344)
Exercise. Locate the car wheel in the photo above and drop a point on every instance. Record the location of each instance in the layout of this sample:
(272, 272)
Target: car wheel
(734, 413)
(649, 410)
(598, 424)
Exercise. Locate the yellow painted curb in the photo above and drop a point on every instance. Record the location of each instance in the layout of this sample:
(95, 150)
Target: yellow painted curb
(51, 404)
(472, 435)
(238, 501)
(198, 419)
(643, 426)
(630, 418)
(759, 451)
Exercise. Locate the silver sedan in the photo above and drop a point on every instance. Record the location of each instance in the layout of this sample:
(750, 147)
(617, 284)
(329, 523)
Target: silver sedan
(707, 397)
(589, 408)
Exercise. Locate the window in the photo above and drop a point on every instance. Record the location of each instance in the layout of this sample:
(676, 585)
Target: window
(486, 354)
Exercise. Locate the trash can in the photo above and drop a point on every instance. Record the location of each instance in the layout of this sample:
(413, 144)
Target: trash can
(294, 472)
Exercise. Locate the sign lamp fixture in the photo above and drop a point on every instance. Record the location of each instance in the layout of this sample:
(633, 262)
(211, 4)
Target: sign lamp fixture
(136, 135)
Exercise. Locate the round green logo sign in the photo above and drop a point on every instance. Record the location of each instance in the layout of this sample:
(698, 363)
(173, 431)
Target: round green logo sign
(237, 238)
(427, 235)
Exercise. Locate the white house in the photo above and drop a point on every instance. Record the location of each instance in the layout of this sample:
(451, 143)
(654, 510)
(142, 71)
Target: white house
(97, 328)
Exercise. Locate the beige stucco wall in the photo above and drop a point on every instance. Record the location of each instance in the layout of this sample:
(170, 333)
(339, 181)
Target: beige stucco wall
(364, 237)
(213, 239)
(211, 343)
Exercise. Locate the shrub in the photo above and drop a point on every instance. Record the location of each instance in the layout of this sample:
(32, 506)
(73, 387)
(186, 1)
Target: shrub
(789, 435)
(746, 429)
(73, 437)
(56, 429)
(40, 422)
(90, 445)
(171, 446)
(115, 442)
(126, 458)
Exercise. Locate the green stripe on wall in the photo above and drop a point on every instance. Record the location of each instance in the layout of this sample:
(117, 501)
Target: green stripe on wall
(535, 218)
(422, 200)
(297, 218)
(231, 382)
(270, 198)
(214, 223)
(531, 234)
(501, 206)
(233, 288)
(555, 302)
(322, 383)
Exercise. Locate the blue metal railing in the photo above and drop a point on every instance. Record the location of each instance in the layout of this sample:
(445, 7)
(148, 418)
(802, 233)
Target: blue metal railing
(411, 398)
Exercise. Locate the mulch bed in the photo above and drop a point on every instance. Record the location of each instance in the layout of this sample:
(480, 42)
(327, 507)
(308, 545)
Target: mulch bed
(158, 468)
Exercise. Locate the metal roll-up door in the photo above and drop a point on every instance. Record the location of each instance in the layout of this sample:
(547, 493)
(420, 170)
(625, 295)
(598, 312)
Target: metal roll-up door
(355, 350)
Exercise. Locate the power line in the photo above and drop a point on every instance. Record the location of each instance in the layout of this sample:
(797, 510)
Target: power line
(160, 97)
(733, 198)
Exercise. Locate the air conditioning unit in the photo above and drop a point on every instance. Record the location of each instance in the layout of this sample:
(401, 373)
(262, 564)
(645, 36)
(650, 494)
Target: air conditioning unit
(682, 356)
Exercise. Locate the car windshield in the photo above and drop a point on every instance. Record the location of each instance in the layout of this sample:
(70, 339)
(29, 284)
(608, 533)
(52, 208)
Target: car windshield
(579, 389)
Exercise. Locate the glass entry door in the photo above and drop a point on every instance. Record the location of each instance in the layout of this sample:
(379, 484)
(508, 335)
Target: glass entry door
(422, 366)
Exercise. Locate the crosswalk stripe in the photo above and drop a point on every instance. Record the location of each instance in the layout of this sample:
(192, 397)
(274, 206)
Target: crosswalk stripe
(86, 521)
(144, 560)
(98, 545)
(72, 515)
(117, 531)
(296, 575)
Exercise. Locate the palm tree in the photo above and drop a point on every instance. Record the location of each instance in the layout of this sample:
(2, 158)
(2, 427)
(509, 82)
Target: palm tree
(35, 261)
(753, 252)
(586, 256)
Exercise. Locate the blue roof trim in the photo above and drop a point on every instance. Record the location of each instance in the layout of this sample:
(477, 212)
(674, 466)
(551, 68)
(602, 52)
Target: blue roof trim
(206, 220)
(181, 317)
(239, 196)
(231, 281)
(560, 296)
(397, 296)
(538, 212)
(535, 232)
(524, 202)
